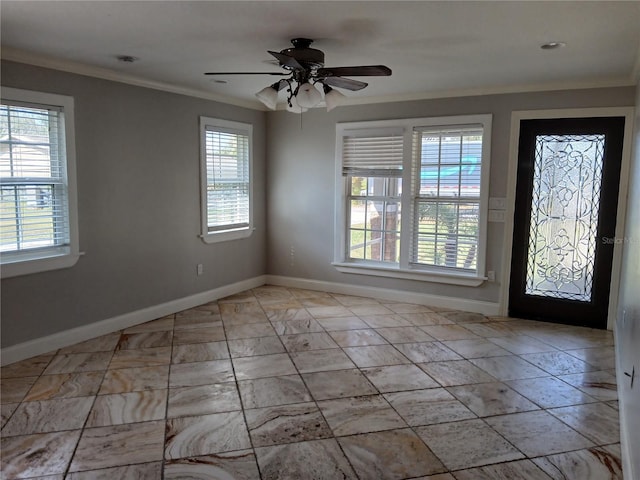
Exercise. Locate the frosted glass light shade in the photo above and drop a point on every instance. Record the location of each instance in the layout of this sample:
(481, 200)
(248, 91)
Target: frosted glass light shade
(268, 96)
(333, 98)
(308, 96)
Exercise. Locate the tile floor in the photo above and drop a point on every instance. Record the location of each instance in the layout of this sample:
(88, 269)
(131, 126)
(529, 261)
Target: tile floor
(282, 383)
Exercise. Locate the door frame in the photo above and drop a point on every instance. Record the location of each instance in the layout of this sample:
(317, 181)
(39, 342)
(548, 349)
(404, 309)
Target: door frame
(616, 267)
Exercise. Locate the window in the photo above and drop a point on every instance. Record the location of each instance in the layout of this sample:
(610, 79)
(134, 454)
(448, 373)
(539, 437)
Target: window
(38, 219)
(226, 185)
(414, 202)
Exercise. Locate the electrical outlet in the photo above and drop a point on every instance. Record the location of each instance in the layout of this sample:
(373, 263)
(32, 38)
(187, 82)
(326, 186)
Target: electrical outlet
(498, 203)
(200, 269)
(497, 216)
(292, 256)
(491, 276)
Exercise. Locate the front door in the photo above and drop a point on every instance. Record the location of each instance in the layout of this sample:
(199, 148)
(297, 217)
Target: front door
(565, 218)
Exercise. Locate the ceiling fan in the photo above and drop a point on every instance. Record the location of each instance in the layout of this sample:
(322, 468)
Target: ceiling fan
(305, 67)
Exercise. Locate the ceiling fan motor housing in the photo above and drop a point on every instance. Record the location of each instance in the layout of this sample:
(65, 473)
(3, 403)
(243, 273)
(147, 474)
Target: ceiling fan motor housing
(309, 58)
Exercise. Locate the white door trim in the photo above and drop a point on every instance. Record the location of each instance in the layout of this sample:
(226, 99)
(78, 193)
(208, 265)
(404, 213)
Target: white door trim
(516, 117)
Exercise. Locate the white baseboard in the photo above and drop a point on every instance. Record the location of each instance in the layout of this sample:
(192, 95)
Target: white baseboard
(41, 345)
(456, 303)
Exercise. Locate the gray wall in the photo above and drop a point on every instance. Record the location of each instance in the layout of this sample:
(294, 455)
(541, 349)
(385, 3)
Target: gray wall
(301, 191)
(139, 207)
(628, 319)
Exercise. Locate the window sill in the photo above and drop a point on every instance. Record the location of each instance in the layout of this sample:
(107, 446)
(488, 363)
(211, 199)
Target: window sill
(15, 266)
(226, 235)
(422, 276)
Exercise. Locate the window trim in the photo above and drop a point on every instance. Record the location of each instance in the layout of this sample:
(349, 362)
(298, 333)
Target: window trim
(57, 257)
(405, 270)
(223, 235)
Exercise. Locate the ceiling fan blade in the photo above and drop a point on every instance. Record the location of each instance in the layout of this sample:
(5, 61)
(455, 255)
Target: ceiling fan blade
(248, 73)
(346, 83)
(287, 60)
(361, 71)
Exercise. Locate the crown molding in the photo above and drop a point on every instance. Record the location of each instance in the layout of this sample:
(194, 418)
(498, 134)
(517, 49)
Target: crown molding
(36, 59)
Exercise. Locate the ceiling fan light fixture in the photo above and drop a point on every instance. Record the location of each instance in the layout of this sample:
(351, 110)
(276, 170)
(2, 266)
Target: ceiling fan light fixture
(293, 107)
(268, 96)
(308, 96)
(332, 98)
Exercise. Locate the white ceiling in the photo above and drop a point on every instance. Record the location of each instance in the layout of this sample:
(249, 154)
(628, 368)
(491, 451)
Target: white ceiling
(434, 48)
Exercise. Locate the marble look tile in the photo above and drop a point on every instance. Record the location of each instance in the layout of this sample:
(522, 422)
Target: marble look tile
(385, 321)
(518, 470)
(319, 301)
(492, 329)
(104, 343)
(363, 414)
(321, 360)
(239, 465)
(13, 390)
(315, 459)
(205, 434)
(465, 317)
(202, 400)
(613, 404)
(141, 471)
(440, 476)
(508, 367)
(557, 363)
(37, 455)
(6, 410)
(342, 323)
(144, 357)
(376, 355)
(466, 444)
(244, 318)
(287, 314)
(78, 362)
(427, 352)
(249, 347)
(198, 335)
(456, 372)
(48, 416)
(602, 358)
(246, 296)
(135, 379)
(426, 318)
(211, 308)
(549, 392)
(286, 424)
(206, 320)
(448, 332)
(199, 352)
(130, 341)
(159, 325)
(292, 327)
(373, 309)
(263, 366)
(426, 407)
(301, 293)
(404, 335)
(476, 348)
(280, 304)
(240, 308)
(338, 384)
(200, 373)
(249, 331)
(407, 308)
(308, 341)
(521, 344)
(485, 399)
(538, 433)
(390, 455)
(589, 464)
(354, 300)
(600, 385)
(120, 408)
(65, 385)
(31, 367)
(271, 391)
(356, 338)
(397, 378)
(118, 445)
(596, 421)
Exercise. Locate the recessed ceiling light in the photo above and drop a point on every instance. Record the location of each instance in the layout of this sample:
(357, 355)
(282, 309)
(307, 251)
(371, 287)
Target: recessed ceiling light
(127, 58)
(552, 45)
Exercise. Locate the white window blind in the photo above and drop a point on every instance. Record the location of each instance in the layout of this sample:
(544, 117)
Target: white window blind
(34, 194)
(226, 179)
(446, 183)
(373, 153)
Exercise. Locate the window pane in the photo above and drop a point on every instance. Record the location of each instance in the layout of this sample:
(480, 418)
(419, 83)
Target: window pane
(358, 186)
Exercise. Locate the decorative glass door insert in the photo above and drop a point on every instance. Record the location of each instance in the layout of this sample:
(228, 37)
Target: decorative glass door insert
(565, 205)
